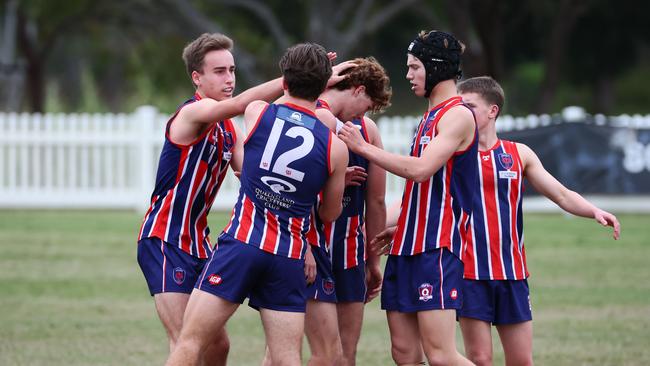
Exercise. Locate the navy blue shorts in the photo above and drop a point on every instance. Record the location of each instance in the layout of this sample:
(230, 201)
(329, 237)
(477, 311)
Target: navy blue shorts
(427, 281)
(237, 270)
(497, 302)
(324, 288)
(167, 268)
(351, 283)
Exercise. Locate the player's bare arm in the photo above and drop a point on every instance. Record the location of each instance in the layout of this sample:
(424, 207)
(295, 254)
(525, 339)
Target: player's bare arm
(331, 205)
(455, 132)
(567, 199)
(375, 212)
(238, 150)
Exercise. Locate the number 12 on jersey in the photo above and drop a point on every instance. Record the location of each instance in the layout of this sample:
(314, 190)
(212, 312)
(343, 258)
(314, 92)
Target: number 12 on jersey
(281, 165)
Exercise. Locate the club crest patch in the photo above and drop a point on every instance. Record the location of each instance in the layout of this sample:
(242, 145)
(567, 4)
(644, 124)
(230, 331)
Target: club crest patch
(228, 141)
(328, 286)
(426, 292)
(179, 275)
(506, 161)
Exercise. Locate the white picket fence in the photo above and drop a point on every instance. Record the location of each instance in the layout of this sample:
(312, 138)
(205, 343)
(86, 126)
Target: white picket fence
(110, 160)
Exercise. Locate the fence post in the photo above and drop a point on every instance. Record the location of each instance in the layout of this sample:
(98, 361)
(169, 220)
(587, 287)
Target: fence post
(145, 117)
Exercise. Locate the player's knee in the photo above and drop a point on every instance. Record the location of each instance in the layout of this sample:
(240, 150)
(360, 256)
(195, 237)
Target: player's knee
(440, 358)
(222, 346)
(522, 360)
(480, 357)
(405, 354)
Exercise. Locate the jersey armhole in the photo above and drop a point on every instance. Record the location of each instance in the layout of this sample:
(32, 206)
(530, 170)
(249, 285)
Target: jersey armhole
(364, 130)
(329, 152)
(259, 118)
(195, 141)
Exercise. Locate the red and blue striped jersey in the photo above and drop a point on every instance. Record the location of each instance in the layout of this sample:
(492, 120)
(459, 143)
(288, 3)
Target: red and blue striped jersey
(495, 248)
(187, 181)
(435, 213)
(286, 164)
(345, 237)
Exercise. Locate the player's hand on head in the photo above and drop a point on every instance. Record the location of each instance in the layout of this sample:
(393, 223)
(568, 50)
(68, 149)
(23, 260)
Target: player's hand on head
(380, 244)
(337, 70)
(332, 56)
(607, 219)
(373, 282)
(349, 133)
(310, 266)
(355, 176)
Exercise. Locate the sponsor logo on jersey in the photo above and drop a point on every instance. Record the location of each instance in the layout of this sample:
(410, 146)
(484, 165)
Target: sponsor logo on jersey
(426, 292)
(278, 185)
(215, 279)
(179, 275)
(506, 161)
(328, 286)
(453, 294)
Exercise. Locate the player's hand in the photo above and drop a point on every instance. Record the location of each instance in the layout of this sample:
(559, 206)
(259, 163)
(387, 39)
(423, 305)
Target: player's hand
(380, 244)
(607, 219)
(373, 281)
(310, 266)
(355, 176)
(332, 56)
(337, 70)
(349, 133)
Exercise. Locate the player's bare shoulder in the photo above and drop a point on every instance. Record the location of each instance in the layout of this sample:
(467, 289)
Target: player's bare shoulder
(374, 137)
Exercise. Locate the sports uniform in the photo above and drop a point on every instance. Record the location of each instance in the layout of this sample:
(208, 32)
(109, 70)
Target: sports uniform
(174, 243)
(339, 247)
(424, 269)
(261, 250)
(494, 256)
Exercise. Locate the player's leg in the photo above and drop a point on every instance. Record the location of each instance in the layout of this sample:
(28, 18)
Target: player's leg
(404, 338)
(350, 317)
(405, 343)
(321, 329)
(171, 275)
(283, 330)
(436, 278)
(205, 317)
(517, 341)
(514, 321)
(438, 334)
(477, 337)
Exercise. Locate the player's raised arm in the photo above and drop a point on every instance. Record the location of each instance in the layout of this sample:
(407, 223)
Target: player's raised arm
(567, 199)
(331, 204)
(209, 110)
(454, 129)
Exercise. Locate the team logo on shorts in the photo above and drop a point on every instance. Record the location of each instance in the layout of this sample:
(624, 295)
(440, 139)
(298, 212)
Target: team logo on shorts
(179, 275)
(214, 279)
(506, 161)
(328, 286)
(453, 294)
(426, 292)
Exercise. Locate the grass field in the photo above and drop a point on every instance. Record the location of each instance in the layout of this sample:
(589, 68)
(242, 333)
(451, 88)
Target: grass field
(71, 293)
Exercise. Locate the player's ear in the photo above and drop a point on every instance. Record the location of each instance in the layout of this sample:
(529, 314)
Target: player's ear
(494, 111)
(359, 89)
(284, 85)
(195, 78)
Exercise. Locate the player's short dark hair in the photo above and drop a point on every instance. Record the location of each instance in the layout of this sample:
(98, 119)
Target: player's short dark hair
(486, 87)
(372, 75)
(306, 69)
(195, 51)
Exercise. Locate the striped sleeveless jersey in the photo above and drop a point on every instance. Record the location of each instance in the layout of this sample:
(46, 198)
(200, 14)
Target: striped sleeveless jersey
(187, 181)
(495, 248)
(286, 164)
(435, 213)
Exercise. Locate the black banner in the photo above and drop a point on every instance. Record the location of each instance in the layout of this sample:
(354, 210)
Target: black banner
(593, 155)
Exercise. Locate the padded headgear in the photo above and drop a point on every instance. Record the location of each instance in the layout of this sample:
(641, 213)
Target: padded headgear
(440, 53)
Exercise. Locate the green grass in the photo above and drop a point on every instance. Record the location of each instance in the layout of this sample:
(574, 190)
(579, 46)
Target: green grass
(71, 293)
